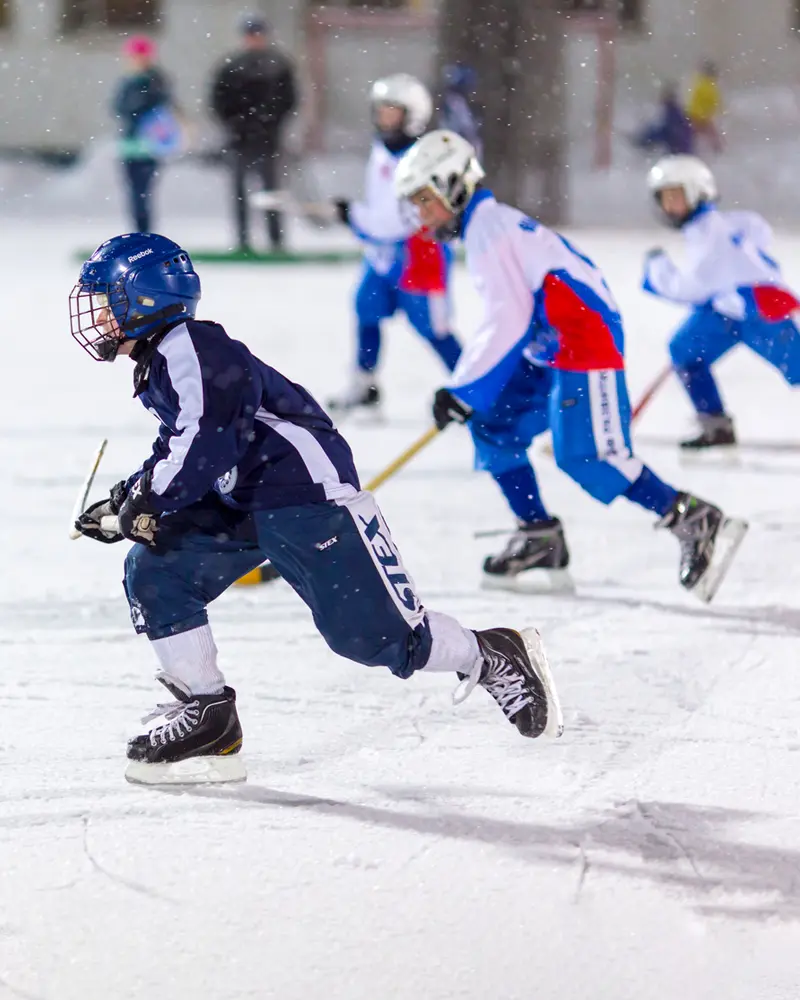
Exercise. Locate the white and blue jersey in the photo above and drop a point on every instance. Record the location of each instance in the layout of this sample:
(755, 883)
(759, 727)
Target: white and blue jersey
(232, 424)
(727, 267)
(737, 295)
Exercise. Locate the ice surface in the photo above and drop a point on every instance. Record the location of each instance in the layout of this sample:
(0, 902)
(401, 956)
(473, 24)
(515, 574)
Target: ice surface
(387, 845)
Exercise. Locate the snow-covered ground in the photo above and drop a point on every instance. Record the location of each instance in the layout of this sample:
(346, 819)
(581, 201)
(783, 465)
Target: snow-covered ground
(387, 845)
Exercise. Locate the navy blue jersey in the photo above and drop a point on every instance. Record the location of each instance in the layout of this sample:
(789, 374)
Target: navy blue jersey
(232, 424)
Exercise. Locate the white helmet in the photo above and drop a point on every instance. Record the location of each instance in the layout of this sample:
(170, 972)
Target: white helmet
(687, 172)
(405, 91)
(444, 162)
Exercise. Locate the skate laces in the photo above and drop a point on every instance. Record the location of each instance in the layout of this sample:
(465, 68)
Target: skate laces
(504, 682)
(180, 718)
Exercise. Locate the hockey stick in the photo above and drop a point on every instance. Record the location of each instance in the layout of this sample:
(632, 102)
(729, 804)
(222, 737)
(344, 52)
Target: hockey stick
(651, 390)
(322, 213)
(266, 572)
(83, 496)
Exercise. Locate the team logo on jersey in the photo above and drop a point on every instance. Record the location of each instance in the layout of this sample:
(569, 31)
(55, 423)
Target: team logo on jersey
(227, 483)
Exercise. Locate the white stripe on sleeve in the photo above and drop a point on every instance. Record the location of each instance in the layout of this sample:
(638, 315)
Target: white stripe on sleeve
(320, 467)
(183, 367)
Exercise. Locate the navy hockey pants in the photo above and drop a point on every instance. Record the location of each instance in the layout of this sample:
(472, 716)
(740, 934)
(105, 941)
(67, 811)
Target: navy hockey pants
(338, 556)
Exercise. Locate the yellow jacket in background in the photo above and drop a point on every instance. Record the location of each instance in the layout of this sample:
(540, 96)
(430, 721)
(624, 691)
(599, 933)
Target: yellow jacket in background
(704, 99)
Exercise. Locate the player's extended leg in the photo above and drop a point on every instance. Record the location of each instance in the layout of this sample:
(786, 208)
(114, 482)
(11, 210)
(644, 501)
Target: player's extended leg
(536, 555)
(198, 736)
(430, 315)
(590, 422)
(343, 562)
(700, 341)
(778, 343)
(375, 300)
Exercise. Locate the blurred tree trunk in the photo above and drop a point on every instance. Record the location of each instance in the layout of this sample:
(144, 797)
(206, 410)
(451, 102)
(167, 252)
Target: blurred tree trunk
(516, 47)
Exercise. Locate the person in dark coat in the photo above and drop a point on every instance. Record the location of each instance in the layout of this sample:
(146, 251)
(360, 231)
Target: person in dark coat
(253, 92)
(672, 130)
(142, 95)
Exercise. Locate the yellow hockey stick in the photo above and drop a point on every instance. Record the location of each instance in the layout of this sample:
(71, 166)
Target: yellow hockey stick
(266, 572)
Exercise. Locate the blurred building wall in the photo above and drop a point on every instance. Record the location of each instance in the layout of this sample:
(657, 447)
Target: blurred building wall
(56, 88)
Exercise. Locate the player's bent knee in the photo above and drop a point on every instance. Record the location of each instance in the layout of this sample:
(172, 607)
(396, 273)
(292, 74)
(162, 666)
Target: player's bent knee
(600, 480)
(402, 650)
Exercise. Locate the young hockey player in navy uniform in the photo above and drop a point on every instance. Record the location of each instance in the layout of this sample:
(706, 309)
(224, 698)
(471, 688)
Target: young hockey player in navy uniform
(247, 466)
(401, 270)
(731, 282)
(549, 352)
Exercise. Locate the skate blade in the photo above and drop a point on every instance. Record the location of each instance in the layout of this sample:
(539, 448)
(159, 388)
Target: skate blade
(531, 581)
(192, 771)
(535, 650)
(721, 456)
(726, 544)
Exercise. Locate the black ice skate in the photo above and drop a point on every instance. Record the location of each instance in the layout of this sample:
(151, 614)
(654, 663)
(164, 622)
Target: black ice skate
(535, 560)
(716, 432)
(197, 741)
(515, 672)
(362, 395)
(708, 541)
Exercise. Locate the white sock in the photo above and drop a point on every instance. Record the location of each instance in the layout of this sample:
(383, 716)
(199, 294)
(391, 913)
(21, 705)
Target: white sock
(190, 658)
(454, 647)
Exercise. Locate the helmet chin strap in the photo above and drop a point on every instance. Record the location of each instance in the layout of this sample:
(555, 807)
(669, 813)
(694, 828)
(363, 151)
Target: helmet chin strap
(168, 312)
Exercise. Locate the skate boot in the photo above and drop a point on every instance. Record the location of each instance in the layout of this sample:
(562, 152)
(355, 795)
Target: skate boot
(716, 431)
(514, 670)
(361, 394)
(535, 560)
(708, 541)
(197, 741)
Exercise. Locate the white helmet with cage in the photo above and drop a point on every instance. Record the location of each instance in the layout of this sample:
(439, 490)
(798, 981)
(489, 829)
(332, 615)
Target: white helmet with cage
(444, 162)
(687, 172)
(402, 90)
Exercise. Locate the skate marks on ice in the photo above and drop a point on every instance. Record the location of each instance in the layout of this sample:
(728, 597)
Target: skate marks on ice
(692, 850)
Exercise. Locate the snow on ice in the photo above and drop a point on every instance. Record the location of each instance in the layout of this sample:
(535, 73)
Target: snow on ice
(387, 845)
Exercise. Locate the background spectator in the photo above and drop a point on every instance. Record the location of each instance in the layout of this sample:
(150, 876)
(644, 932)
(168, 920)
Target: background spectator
(458, 109)
(253, 91)
(705, 104)
(671, 132)
(143, 107)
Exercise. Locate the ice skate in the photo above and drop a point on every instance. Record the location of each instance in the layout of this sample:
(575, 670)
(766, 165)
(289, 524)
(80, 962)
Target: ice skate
(362, 396)
(716, 443)
(515, 672)
(196, 741)
(709, 541)
(534, 561)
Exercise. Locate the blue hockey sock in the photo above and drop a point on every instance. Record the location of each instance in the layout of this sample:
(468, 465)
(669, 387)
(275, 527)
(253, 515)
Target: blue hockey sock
(651, 493)
(448, 349)
(521, 490)
(369, 346)
(702, 388)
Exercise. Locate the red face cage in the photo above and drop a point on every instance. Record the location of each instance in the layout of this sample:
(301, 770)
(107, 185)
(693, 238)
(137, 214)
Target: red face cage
(96, 313)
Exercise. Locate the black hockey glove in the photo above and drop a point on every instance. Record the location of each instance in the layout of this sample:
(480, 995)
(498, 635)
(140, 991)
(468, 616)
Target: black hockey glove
(88, 522)
(137, 520)
(448, 408)
(342, 207)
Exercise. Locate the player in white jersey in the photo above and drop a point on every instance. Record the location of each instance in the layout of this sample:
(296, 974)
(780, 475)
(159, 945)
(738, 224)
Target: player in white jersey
(732, 283)
(402, 271)
(548, 352)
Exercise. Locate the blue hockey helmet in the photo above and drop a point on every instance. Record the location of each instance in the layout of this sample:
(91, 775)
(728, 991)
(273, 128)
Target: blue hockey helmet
(130, 288)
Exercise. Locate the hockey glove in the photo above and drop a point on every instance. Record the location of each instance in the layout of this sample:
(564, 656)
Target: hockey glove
(342, 207)
(448, 408)
(137, 521)
(89, 521)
